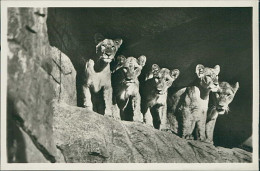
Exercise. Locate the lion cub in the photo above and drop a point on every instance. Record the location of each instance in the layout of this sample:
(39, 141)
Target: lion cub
(154, 95)
(188, 106)
(126, 87)
(98, 89)
(218, 105)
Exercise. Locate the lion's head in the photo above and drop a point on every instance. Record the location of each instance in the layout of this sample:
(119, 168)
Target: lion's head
(208, 77)
(162, 78)
(106, 48)
(224, 96)
(129, 69)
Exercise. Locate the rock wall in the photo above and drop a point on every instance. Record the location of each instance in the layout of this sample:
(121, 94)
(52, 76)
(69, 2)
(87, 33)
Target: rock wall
(37, 74)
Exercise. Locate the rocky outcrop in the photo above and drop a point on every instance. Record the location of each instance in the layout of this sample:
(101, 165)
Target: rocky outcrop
(85, 136)
(64, 77)
(37, 74)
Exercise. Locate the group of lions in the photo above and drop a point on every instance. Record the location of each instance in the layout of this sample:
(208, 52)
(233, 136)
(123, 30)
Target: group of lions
(189, 112)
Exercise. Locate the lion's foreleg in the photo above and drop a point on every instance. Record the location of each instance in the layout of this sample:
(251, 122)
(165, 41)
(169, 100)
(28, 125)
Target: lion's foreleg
(136, 105)
(210, 130)
(87, 98)
(107, 93)
(163, 117)
(187, 124)
(201, 126)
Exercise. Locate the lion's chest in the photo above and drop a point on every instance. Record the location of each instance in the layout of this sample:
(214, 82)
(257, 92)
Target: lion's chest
(157, 100)
(128, 92)
(193, 104)
(97, 80)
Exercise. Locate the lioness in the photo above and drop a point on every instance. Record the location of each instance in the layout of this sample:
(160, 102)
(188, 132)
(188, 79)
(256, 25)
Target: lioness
(98, 89)
(126, 87)
(154, 95)
(188, 106)
(218, 105)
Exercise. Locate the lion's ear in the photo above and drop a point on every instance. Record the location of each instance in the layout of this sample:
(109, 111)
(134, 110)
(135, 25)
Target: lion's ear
(120, 59)
(118, 42)
(217, 69)
(142, 60)
(98, 38)
(236, 86)
(155, 68)
(200, 70)
(175, 73)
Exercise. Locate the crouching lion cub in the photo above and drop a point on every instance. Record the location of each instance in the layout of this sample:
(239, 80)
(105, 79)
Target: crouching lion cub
(188, 106)
(126, 87)
(218, 105)
(98, 89)
(154, 95)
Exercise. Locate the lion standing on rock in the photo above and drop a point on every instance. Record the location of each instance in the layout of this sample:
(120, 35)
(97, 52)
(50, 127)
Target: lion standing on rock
(97, 90)
(126, 87)
(188, 106)
(154, 96)
(219, 105)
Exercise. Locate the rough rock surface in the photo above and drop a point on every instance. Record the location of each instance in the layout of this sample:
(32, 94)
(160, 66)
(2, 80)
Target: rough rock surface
(85, 136)
(33, 69)
(64, 77)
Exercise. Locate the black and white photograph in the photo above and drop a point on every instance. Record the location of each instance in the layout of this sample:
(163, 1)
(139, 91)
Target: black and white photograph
(152, 82)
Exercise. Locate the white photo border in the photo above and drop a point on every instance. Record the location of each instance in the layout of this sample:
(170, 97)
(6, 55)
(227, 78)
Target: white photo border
(131, 166)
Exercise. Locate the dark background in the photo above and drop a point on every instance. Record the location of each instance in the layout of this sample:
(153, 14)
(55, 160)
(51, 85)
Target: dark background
(174, 38)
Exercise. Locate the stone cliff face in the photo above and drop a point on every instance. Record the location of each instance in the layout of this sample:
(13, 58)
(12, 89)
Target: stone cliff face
(44, 123)
(37, 74)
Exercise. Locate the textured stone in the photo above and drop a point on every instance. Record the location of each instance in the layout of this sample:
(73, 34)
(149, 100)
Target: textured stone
(64, 76)
(20, 146)
(30, 85)
(85, 136)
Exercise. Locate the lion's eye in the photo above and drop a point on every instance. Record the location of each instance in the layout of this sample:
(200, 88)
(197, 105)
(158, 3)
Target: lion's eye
(135, 68)
(167, 79)
(228, 94)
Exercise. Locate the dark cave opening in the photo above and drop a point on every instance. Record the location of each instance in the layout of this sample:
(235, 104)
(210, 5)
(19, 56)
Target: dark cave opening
(170, 37)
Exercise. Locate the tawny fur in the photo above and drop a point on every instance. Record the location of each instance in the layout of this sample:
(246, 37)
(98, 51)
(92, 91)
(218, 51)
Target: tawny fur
(188, 106)
(126, 87)
(98, 89)
(219, 105)
(154, 96)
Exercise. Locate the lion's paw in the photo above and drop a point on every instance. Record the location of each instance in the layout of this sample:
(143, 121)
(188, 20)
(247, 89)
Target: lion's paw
(166, 130)
(188, 137)
(208, 141)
